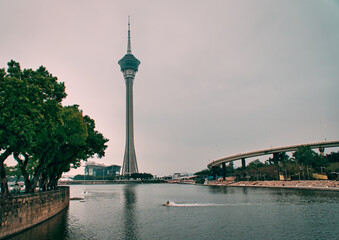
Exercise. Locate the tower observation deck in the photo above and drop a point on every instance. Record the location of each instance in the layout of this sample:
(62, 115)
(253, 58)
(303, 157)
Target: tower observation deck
(129, 66)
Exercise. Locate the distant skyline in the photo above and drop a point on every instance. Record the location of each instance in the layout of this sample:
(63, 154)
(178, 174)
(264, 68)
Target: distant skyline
(217, 77)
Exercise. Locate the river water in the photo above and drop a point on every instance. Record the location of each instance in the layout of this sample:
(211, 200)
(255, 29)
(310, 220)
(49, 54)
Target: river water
(136, 211)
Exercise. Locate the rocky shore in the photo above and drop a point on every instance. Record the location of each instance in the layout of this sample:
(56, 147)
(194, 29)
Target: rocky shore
(307, 184)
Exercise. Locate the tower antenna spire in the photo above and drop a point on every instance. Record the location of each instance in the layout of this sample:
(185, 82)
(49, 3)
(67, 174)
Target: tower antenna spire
(129, 49)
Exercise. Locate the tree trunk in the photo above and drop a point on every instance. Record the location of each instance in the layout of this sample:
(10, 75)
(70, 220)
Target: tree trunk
(37, 175)
(44, 181)
(3, 178)
(32, 185)
(22, 165)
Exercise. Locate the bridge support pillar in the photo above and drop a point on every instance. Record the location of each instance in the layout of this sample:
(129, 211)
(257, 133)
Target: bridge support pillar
(243, 163)
(322, 151)
(215, 172)
(223, 166)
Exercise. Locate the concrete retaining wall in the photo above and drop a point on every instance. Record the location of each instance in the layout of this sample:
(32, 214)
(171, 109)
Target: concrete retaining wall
(18, 213)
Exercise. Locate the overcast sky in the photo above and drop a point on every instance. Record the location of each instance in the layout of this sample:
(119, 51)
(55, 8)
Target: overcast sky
(216, 77)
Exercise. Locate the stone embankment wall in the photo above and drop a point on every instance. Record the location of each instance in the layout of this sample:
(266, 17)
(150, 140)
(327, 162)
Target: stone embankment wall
(305, 184)
(18, 213)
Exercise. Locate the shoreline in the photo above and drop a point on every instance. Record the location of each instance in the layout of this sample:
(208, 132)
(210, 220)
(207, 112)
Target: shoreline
(95, 182)
(324, 185)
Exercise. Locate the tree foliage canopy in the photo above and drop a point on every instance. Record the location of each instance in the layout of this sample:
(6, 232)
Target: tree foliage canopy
(45, 137)
(306, 156)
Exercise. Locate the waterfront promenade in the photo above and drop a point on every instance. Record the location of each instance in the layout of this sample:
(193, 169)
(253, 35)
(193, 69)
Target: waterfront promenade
(304, 184)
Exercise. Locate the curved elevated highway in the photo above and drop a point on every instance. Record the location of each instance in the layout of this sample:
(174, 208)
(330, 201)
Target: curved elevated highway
(242, 156)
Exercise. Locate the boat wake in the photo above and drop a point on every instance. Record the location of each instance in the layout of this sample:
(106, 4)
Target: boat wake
(173, 204)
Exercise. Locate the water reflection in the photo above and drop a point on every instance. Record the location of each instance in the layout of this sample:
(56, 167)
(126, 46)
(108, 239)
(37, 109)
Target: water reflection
(130, 223)
(280, 195)
(300, 197)
(218, 189)
(55, 228)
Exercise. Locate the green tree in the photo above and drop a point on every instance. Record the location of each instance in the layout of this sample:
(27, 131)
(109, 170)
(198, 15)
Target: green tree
(204, 173)
(141, 176)
(74, 139)
(230, 168)
(70, 134)
(255, 164)
(81, 141)
(304, 155)
(307, 158)
(278, 159)
(27, 98)
(45, 138)
(333, 157)
(333, 165)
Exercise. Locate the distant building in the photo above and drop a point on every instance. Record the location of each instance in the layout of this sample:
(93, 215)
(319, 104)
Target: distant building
(180, 175)
(166, 177)
(96, 169)
(176, 176)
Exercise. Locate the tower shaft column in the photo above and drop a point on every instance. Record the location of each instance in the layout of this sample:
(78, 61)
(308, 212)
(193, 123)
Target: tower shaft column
(130, 162)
